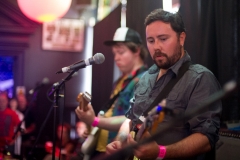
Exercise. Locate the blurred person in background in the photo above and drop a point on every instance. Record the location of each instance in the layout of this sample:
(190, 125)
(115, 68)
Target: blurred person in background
(29, 118)
(82, 132)
(28, 134)
(17, 146)
(8, 123)
(65, 146)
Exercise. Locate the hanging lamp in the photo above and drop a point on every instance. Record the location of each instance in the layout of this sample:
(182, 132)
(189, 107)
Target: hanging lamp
(44, 10)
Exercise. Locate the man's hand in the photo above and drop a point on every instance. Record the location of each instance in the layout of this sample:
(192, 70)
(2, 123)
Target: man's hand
(86, 116)
(113, 147)
(85, 134)
(146, 151)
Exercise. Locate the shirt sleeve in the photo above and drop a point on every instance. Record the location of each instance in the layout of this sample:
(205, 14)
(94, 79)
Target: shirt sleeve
(208, 121)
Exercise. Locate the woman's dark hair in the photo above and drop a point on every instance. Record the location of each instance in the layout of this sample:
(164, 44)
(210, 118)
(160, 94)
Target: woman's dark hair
(134, 47)
(174, 19)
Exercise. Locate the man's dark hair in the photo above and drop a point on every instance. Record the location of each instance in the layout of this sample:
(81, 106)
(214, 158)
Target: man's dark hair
(174, 19)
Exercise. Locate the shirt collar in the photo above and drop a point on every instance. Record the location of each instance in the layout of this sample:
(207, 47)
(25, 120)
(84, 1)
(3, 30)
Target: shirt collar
(175, 68)
(141, 69)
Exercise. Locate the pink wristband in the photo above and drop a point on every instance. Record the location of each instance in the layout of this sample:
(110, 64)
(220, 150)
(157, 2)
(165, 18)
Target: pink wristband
(162, 152)
(95, 122)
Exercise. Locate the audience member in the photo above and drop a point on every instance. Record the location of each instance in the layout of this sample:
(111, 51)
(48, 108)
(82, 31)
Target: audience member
(17, 146)
(82, 130)
(8, 123)
(82, 133)
(64, 145)
(29, 119)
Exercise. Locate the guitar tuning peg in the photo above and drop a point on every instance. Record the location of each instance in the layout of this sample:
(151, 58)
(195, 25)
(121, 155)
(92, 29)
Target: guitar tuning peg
(101, 113)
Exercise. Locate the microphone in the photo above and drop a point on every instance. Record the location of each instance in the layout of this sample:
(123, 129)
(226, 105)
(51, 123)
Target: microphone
(98, 58)
(44, 82)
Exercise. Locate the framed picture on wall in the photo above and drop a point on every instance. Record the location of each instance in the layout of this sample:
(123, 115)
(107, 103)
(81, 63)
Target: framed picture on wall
(105, 7)
(63, 35)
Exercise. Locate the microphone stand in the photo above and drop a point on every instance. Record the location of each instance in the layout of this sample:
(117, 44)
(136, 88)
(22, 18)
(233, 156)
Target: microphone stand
(126, 151)
(57, 89)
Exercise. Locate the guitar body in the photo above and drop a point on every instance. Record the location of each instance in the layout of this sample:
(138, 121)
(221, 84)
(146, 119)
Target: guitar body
(132, 157)
(89, 145)
(149, 124)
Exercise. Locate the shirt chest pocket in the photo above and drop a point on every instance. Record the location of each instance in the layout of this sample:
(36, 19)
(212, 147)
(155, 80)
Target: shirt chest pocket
(141, 90)
(175, 102)
(141, 94)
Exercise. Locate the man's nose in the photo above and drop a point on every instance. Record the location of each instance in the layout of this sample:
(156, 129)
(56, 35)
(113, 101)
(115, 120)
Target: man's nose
(157, 45)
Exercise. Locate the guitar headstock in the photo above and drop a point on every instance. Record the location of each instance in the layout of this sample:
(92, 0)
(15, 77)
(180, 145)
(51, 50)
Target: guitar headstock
(155, 116)
(83, 99)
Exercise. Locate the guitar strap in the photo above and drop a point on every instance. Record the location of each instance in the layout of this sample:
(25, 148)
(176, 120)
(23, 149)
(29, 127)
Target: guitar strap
(109, 103)
(163, 94)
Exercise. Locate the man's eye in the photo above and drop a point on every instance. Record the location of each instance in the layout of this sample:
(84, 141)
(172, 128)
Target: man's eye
(150, 41)
(163, 39)
(121, 52)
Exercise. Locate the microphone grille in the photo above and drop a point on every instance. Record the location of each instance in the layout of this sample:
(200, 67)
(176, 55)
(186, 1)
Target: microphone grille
(99, 58)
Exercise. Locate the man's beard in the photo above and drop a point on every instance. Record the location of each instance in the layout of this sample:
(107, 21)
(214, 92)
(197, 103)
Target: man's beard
(168, 61)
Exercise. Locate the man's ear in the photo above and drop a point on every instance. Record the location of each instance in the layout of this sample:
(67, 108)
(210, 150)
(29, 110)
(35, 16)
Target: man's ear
(182, 37)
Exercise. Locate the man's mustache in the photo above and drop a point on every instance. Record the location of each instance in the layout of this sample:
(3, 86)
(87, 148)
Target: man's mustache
(158, 53)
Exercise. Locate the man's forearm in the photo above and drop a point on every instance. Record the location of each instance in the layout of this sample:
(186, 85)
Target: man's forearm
(195, 144)
(124, 130)
(111, 123)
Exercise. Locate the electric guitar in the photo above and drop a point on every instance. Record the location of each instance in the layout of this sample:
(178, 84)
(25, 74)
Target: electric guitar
(155, 116)
(89, 145)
